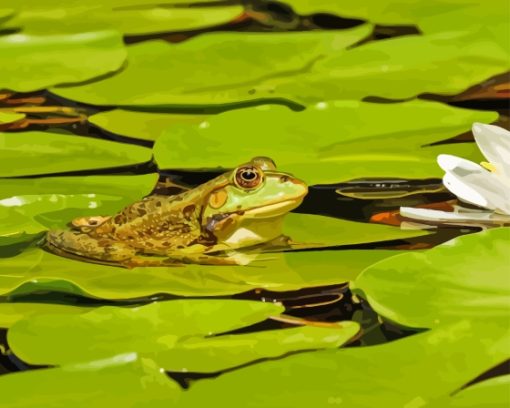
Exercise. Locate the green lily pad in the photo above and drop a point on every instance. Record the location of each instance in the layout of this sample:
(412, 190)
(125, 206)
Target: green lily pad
(278, 272)
(23, 216)
(402, 67)
(145, 329)
(31, 62)
(129, 18)
(8, 116)
(123, 380)
(317, 230)
(492, 393)
(225, 352)
(53, 211)
(10, 313)
(404, 373)
(150, 79)
(47, 152)
(321, 70)
(141, 125)
(274, 271)
(182, 345)
(381, 140)
(6, 14)
(393, 13)
(36, 270)
(130, 188)
(463, 278)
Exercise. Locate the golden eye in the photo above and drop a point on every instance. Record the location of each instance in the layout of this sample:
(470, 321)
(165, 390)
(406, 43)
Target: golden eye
(248, 177)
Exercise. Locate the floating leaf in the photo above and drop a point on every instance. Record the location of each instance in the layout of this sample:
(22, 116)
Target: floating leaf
(301, 68)
(377, 140)
(31, 62)
(150, 78)
(109, 330)
(317, 230)
(55, 210)
(463, 278)
(130, 188)
(10, 313)
(141, 125)
(47, 152)
(392, 13)
(491, 393)
(123, 380)
(224, 352)
(170, 345)
(407, 372)
(35, 270)
(130, 18)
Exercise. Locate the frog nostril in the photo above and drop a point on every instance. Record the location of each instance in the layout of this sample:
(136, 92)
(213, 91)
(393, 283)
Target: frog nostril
(284, 179)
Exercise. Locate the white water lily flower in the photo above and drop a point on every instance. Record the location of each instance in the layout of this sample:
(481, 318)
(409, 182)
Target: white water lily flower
(486, 186)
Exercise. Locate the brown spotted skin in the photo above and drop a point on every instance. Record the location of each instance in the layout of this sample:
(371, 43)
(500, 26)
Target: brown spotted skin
(199, 225)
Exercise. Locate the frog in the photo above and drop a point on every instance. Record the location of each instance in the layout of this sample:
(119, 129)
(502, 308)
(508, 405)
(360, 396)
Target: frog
(210, 224)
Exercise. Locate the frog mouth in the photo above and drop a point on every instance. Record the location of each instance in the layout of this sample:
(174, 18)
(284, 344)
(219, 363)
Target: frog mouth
(273, 210)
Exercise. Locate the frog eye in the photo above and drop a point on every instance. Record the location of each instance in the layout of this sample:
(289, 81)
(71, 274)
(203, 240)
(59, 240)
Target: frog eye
(248, 177)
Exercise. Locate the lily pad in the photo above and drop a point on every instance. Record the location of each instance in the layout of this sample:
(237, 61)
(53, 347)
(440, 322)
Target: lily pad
(10, 313)
(150, 78)
(183, 345)
(403, 12)
(33, 62)
(48, 152)
(141, 125)
(123, 380)
(407, 372)
(145, 329)
(7, 116)
(492, 393)
(463, 278)
(224, 352)
(298, 68)
(129, 18)
(317, 230)
(36, 270)
(53, 211)
(380, 140)
(130, 188)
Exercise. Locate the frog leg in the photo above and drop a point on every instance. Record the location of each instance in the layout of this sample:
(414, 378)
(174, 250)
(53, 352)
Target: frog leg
(179, 259)
(74, 244)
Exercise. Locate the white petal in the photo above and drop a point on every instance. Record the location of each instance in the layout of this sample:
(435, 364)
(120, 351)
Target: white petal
(449, 162)
(494, 142)
(426, 214)
(479, 188)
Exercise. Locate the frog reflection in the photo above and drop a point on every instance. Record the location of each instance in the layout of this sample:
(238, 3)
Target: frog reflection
(239, 209)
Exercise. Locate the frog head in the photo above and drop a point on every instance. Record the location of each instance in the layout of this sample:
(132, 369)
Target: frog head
(248, 207)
